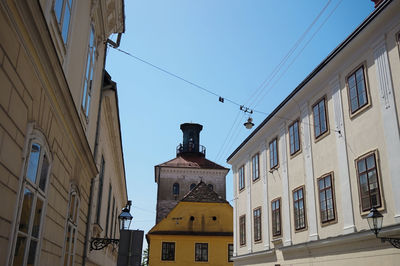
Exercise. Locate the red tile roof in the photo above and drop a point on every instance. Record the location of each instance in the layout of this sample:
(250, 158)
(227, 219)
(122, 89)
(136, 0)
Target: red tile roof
(192, 161)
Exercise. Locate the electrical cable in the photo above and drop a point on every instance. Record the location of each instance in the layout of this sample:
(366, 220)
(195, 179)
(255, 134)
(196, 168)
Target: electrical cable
(298, 54)
(276, 70)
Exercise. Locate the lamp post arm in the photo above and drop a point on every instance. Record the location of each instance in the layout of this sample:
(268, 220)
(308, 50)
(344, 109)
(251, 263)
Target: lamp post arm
(100, 243)
(394, 241)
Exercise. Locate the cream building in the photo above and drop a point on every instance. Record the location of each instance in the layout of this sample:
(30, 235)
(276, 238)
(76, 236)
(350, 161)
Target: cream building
(62, 178)
(307, 176)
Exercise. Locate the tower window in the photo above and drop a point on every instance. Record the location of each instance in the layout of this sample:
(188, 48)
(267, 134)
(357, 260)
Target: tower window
(175, 189)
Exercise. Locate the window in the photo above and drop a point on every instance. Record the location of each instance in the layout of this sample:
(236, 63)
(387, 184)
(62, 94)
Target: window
(273, 154)
(241, 178)
(71, 228)
(326, 200)
(257, 224)
(230, 252)
(168, 251)
(357, 90)
(299, 209)
(294, 137)
(88, 79)
(100, 192)
(192, 186)
(242, 230)
(210, 186)
(62, 10)
(175, 189)
(368, 181)
(255, 170)
(31, 206)
(276, 217)
(112, 218)
(201, 253)
(398, 41)
(108, 210)
(320, 123)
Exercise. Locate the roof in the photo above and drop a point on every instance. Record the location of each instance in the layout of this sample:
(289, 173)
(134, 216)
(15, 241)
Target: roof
(192, 161)
(329, 58)
(202, 193)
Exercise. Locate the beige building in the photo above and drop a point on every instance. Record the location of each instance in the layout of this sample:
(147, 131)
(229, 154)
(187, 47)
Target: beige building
(307, 176)
(62, 178)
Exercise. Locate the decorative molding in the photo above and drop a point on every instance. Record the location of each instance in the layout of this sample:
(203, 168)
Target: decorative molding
(264, 173)
(287, 231)
(390, 121)
(383, 74)
(343, 175)
(249, 235)
(309, 172)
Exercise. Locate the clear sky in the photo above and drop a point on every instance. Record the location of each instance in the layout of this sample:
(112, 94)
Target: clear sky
(229, 47)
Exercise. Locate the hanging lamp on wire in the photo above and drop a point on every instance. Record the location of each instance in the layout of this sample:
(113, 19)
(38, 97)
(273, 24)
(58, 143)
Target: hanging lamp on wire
(249, 124)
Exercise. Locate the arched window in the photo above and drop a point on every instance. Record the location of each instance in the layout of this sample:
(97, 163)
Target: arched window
(210, 186)
(32, 201)
(192, 186)
(71, 227)
(175, 189)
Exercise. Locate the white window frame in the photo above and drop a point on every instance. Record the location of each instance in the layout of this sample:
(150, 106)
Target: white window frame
(65, 5)
(73, 223)
(88, 74)
(32, 136)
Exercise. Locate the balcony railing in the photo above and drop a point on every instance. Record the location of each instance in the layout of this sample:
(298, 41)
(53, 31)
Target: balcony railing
(190, 148)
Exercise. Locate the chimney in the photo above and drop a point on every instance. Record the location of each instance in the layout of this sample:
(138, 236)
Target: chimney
(377, 2)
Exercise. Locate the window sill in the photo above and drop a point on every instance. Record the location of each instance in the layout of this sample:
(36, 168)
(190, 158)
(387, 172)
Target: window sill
(359, 111)
(292, 156)
(321, 136)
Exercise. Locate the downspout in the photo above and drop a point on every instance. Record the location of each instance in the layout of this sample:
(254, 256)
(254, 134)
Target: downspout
(96, 145)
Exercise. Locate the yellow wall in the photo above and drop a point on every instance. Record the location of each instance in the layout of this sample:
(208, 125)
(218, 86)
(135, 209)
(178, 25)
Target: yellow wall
(178, 227)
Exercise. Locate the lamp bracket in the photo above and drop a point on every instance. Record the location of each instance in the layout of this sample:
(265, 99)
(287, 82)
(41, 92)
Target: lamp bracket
(394, 241)
(100, 243)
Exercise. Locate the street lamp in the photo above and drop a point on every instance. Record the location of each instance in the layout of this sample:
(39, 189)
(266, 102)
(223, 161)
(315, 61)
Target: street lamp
(125, 219)
(375, 220)
(249, 124)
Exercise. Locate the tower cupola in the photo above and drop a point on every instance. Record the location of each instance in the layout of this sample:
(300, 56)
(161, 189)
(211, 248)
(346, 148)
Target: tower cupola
(191, 140)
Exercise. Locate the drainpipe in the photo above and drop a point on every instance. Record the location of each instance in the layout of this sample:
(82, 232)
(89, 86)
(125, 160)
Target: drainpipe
(96, 144)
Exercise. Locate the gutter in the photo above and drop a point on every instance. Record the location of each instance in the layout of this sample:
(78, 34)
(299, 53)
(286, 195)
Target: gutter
(329, 58)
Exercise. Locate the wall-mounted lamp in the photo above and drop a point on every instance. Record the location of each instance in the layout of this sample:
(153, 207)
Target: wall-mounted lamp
(375, 220)
(125, 219)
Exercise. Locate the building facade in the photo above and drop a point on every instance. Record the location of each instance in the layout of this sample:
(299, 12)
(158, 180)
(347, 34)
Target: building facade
(61, 162)
(306, 178)
(198, 230)
(175, 178)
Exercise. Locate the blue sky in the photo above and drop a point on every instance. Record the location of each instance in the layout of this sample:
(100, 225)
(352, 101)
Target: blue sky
(229, 47)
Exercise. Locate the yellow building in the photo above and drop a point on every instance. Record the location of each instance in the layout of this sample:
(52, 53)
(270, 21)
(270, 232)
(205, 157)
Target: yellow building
(198, 230)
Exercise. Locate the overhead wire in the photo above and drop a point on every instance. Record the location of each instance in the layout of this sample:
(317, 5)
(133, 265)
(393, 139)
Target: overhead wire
(225, 139)
(276, 70)
(298, 54)
(263, 85)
